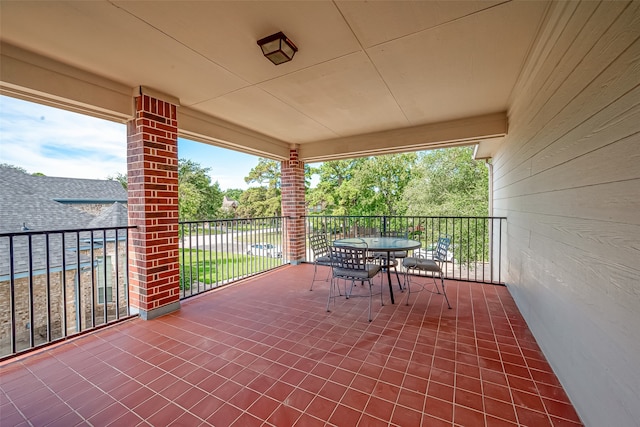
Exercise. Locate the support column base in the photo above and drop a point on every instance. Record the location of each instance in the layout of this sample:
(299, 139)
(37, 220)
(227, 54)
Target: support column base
(160, 311)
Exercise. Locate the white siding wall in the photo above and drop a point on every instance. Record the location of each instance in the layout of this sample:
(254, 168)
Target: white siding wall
(568, 179)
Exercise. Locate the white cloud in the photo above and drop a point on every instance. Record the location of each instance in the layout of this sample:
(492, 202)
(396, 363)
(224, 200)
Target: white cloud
(60, 143)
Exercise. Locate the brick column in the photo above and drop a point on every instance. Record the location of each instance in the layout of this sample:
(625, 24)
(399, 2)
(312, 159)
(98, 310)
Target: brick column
(293, 208)
(152, 167)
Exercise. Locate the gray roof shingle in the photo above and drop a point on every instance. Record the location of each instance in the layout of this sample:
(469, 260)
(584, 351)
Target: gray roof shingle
(39, 201)
(42, 204)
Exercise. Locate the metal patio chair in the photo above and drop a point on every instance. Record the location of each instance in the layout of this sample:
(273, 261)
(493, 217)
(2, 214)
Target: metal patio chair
(352, 264)
(431, 266)
(320, 249)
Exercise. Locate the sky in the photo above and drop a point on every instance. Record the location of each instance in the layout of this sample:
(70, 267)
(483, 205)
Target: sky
(60, 143)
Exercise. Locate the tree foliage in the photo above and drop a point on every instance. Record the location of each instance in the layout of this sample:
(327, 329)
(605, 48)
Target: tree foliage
(198, 198)
(233, 193)
(448, 182)
(364, 186)
(263, 200)
(120, 177)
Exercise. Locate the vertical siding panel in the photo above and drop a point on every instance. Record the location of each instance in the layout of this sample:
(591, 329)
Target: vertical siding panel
(568, 179)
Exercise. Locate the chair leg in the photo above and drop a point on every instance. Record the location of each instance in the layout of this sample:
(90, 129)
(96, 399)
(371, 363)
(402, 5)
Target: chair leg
(315, 269)
(331, 291)
(398, 277)
(370, 297)
(443, 291)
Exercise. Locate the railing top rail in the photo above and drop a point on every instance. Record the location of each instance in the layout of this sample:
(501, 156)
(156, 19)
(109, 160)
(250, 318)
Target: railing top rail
(73, 230)
(199, 221)
(404, 216)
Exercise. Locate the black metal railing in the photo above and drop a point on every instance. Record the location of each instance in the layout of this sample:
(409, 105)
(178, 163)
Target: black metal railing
(55, 284)
(476, 247)
(217, 252)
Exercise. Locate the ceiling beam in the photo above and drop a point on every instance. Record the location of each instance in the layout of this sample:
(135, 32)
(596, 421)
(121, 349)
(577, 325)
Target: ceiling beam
(201, 127)
(415, 138)
(32, 77)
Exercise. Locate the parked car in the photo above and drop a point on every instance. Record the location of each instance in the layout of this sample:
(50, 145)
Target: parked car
(265, 249)
(429, 252)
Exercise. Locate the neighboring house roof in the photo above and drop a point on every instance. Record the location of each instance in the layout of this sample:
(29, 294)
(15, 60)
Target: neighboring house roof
(83, 190)
(115, 215)
(39, 213)
(228, 203)
(42, 202)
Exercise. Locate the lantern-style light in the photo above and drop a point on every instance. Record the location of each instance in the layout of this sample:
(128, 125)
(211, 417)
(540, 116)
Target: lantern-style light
(278, 48)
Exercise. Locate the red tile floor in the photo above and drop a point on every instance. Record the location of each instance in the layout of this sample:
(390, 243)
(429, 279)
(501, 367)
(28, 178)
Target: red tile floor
(265, 352)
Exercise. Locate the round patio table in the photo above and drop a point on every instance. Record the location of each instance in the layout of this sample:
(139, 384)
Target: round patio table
(381, 244)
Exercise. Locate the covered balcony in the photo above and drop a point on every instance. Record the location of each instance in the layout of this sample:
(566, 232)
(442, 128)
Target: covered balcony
(548, 93)
(265, 351)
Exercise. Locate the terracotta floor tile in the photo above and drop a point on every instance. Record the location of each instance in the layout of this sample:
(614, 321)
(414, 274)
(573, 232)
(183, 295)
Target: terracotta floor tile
(284, 416)
(108, 414)
(379, 408)
(417, 384)
(406, 417)
(500, 409)
(321, 407)
(190, 397)
(306, 420)
(266, 351)
(439, 408)
(468, 383)
(467, 417)
(411, 399)
(431, 421)
(469, 399)
(72, 419)
(561, 422)
(247, 420)
(299, 399)
(386, 391)
(225, 415)
(529, 418)
(263, 407)
(279, 391)
(150, 406)
(561, 410)
(527, 400)
(492, 421)
(206, 407)
(227, 390)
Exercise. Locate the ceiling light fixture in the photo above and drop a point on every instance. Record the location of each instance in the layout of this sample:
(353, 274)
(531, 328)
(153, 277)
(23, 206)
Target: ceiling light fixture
(277, 48)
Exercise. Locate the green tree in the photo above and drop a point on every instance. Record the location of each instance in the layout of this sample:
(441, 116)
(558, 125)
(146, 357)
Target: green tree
(198, 198)
(256, 202)
(18, 168)
(233, 193)
(120, 177)
(448, 182)
(363, 186)
(382, 182)
(264, 199)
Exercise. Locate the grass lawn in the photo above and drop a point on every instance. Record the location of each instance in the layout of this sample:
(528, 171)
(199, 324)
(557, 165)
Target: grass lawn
(209, 268)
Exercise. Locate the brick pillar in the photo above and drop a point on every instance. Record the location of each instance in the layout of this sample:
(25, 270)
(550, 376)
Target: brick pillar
(293, 208)
(152, 167)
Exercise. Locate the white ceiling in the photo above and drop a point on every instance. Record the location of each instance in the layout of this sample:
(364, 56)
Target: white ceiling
(391, 71)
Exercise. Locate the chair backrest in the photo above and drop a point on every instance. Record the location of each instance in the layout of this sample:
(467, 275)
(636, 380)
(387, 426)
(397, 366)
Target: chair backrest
(350, 258)
(442, 248)
(319, 245)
